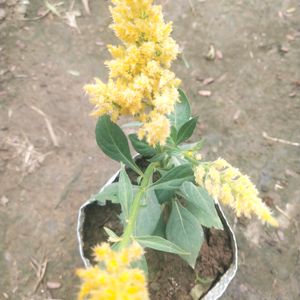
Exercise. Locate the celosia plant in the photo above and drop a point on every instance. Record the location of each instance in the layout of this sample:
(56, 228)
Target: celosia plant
(168, 211)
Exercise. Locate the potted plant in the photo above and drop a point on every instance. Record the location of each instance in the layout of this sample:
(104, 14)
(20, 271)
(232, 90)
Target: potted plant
(167, 198)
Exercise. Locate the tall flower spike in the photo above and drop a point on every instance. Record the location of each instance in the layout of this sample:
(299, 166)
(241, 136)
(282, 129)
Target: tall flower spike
(140, 83)
(115, 280)
(226, 184)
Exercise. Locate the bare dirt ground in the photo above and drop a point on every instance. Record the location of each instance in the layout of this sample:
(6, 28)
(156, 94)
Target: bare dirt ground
(49, 162)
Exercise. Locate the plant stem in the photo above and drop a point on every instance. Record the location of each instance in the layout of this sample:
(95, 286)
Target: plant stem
(136, 205)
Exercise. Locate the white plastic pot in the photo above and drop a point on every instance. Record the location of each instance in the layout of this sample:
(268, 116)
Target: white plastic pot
(218, 288)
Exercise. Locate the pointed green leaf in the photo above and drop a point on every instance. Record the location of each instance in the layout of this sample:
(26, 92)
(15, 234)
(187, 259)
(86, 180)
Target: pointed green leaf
(141, 264)
(110, 192)
(148, 215)
(125, 192)
(184, 230)
(194, 146)
(160, 229)
(174, 178)
(201, 205)
(164, 195)
(182, 111)
(173, 135)
(113, 142)
(158, 157)
(186, 130)
(111, 234)
(141, 147)
(160, 244)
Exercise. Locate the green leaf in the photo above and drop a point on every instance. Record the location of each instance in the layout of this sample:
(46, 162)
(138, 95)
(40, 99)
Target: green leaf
(160, 244)
(184, 230)
(174, 178)
(164, 195)
(141, 147)
(125, 192)
(177, 160)
(182, 111)
(186, 130)
(160, 229)
(194, 146)
(111, 234)
(110, 193)
(141, 264)
(113, 142)
(148, 215)
(201, 205)
(173, 135)
(158, 157)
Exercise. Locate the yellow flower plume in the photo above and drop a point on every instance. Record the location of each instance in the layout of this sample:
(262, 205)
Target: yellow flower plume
(113, 279)
(226, 184)
(140, 83)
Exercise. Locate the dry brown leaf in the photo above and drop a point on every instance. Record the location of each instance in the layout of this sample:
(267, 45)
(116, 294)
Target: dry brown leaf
(284, 49)
(291, 10)
(219, 54)
(290, 37)
(208, 81)
(205, 93)
(211, 55)
(53, 285)
(237, 115)
(4, 200)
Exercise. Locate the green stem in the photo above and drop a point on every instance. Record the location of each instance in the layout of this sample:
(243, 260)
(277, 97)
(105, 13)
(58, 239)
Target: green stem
(136, 205)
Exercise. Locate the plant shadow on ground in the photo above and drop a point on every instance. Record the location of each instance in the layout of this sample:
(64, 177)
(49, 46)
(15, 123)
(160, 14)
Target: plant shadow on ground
(250, 87)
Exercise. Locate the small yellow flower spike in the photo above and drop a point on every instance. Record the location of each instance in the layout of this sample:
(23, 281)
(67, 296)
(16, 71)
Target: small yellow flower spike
(115, 280)
(156, 130)
(226, 184)
(140, 83)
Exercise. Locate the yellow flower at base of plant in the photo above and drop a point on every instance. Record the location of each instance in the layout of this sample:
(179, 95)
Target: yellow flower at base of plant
(113, 279)
(140, 83)
(226, 184)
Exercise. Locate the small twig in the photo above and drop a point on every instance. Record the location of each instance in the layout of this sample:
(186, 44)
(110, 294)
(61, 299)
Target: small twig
(72, 5)
(185, 61)
(40, 271)
(288, 217)
(283, 213)
(45, 14)
(266, 136)
(49, 126)
(52, 8)
(86, 6)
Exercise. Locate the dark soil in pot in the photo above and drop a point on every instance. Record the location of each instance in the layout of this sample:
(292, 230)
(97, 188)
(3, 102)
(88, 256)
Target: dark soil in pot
(170, 277)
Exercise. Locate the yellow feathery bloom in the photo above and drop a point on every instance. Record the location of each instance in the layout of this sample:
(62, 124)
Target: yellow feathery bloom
(156, 129)
(230, 187)
(113, 279)
(140, 81)
(199, 175)
(226, 195)
(212, 182)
